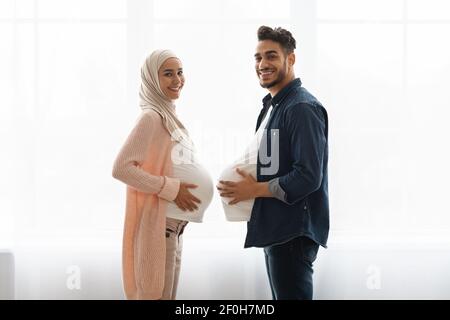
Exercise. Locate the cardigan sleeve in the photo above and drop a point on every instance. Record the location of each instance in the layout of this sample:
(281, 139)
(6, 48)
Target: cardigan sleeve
(127, 166)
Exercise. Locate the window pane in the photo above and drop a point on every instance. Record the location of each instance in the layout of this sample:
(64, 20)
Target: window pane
(82, 69)
(6, 9)
(360, 73)
(429, 69)
(186, 9)
(25, 9)
(16, 9)
(374, 161)
(62, 149)
(6, 137)
(231, 9)
(6, 67)
(82, 9)
(82, 83)
(428, 98)
(6, 215)
(360, 82)
(257, 9)
(360, 9)
(431, 9)
(25, 72)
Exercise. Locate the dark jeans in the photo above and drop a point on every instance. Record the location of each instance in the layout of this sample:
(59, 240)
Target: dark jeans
(290, 268)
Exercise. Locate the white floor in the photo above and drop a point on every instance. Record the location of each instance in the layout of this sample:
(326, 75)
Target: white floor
(353, 267)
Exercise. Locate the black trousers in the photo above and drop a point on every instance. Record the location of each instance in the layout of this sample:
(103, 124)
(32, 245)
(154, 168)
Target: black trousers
(290, 268)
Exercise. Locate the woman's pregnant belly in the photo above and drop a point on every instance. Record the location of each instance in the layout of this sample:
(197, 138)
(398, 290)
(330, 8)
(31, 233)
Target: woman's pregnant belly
(196, 174)
(242, 210)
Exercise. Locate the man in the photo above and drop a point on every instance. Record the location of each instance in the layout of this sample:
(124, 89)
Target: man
(290, 215)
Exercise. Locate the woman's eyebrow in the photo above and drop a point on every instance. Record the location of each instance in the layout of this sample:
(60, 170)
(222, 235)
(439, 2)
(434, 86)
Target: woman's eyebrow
(166, 70)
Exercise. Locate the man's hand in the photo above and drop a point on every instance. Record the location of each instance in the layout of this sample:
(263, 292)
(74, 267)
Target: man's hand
(247, 188)
(185, 200)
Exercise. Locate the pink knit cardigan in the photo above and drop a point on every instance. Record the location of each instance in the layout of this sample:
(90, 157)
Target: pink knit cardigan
(144, 164)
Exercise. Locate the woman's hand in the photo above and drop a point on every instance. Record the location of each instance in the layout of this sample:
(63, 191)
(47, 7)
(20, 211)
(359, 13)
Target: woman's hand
(185, 200)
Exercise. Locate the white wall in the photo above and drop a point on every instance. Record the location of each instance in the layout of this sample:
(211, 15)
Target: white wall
(68, 99)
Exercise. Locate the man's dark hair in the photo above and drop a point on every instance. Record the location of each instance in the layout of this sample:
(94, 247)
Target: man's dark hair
(279, 35)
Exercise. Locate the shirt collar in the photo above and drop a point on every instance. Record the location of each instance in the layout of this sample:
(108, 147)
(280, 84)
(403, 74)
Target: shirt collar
(275, 101)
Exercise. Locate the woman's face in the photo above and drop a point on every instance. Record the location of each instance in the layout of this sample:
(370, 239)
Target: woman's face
(171, 78)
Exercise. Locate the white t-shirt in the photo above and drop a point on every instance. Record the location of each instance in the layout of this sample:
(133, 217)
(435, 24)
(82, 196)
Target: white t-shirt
(242, 210)
(187, 168)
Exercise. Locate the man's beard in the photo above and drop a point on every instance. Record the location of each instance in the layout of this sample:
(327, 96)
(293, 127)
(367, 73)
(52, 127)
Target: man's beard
(280, 78)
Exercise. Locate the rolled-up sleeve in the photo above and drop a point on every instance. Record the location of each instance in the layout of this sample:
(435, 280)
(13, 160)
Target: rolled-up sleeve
(276, 190)
(170, 189)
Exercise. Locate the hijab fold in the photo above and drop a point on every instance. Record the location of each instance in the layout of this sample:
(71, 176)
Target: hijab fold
(153, 98)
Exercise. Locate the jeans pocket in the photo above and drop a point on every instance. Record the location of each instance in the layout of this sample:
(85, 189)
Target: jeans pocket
(309, 249)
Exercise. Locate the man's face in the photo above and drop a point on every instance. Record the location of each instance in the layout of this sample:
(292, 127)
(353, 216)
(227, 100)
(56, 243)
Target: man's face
(270, 63)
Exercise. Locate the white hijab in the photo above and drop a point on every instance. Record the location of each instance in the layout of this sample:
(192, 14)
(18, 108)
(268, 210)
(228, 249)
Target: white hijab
(152, 97)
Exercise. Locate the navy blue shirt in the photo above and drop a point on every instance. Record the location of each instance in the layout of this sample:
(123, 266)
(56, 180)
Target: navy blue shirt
(294, 160)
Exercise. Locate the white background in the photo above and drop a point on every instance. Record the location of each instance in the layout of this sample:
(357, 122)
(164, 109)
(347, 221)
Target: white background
(69, 77)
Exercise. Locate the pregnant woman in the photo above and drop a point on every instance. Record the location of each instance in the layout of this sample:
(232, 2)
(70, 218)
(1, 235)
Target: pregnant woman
(166, 185)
